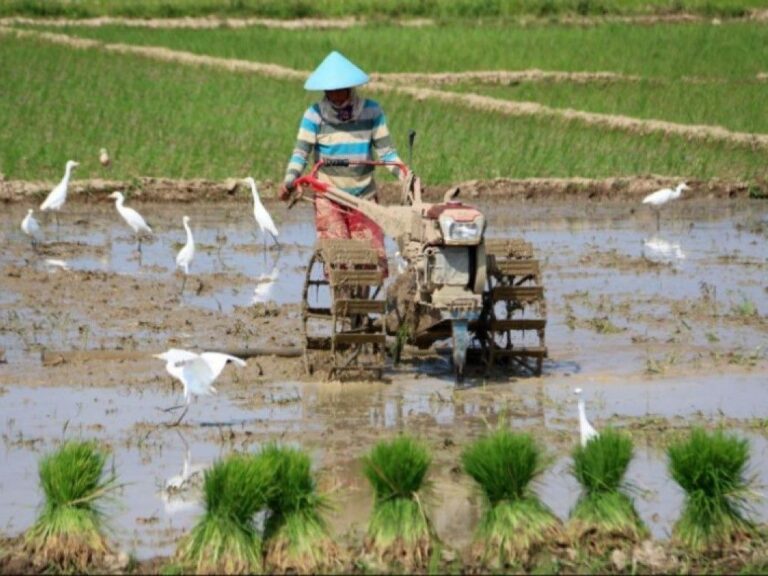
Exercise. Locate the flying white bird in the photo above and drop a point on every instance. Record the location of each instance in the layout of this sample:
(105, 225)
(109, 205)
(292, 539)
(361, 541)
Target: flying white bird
(263, 218)
(661, 197)
(196, 372)
(586, 430)
(187, 253)
(56, 198)
(31, 228)
(133, 218)
(104, 159)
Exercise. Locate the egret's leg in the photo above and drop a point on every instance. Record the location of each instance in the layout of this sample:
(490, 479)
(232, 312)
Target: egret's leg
(172, 408)
(658, 220)
(183, 283)
(277, 242)
(180, 418)
(56, 214)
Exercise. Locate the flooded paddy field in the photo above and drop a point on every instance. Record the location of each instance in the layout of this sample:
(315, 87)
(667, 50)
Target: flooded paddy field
(661, 329)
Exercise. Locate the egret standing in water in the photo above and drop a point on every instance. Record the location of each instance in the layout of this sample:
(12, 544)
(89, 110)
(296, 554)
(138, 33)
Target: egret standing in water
(31, 228)
(586, 431)
(186, 254)
(661, 197)
(263, 218)
(55, 200)
(196, 372)
(132, 218)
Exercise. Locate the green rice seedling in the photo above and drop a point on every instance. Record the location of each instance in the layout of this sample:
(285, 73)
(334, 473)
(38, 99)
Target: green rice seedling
(604, 514)
(515, 523)
(68, 535)
(296, 532)
(711, 468)
(399, 530)
(226, 538)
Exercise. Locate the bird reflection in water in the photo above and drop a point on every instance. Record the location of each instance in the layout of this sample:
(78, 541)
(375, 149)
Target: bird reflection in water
(656, 248)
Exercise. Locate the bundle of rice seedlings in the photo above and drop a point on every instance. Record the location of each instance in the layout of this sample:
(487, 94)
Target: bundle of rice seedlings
(296, 532)
(515, 523)
(68, 534)
(711, 468)
(399, 530)
(604, 514)
(226, 538)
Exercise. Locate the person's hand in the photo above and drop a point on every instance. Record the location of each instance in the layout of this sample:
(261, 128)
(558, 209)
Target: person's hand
(285, 192)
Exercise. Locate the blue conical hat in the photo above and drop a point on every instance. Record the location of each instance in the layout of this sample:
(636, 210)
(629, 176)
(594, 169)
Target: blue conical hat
(335, 73)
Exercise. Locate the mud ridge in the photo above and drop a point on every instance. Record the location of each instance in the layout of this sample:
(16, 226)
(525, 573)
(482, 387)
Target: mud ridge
(152, 189)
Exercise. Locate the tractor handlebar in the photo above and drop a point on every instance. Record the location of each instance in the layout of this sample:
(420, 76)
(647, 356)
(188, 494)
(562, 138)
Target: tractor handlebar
(311, 180)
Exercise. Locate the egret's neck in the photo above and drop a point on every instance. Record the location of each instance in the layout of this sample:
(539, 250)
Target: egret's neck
(67, 173)
(256, 199)
(119, 201)
(582, 410)
(189, 232)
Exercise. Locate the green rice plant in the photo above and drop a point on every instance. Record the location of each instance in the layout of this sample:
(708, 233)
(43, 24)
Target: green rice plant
(68, 535)
(604, 513)
(296, 533)
(711, 468)
(399, 530)
(226, 539)
(515, 523)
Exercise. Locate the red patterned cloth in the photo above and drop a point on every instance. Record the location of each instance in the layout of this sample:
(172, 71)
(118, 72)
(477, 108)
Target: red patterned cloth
(334, 221)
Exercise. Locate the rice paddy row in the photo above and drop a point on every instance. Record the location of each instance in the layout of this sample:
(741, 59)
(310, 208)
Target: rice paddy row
(264, 512)
(159, 118)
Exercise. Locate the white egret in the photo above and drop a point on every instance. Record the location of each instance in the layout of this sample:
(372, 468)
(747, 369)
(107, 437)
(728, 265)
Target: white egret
(187, 253)
(196, 372)
(133, 218)
(31, 228)
(400, 262)
(263, 218)
(586, 431)
(56, 198)
(661, 197)
(104, 159)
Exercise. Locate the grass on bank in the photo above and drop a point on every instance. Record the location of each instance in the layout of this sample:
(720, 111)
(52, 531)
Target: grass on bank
(711, 467)
(161, 119)
(399, 530)
(68, 535)
(604, 514)
(371, 8)
(226, 539)
(515, 524)
(297, 538)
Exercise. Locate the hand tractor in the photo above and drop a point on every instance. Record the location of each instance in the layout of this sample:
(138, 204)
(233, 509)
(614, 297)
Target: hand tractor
(483, 294)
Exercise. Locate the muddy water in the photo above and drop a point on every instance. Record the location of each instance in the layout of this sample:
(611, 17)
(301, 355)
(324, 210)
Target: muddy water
(657, 327)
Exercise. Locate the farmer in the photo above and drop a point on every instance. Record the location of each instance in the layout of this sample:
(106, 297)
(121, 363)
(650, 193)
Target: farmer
(342, 125)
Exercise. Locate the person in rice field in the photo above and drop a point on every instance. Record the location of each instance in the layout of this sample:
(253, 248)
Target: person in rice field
(343, 125)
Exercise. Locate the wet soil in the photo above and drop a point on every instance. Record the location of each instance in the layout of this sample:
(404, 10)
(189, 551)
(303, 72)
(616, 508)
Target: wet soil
(662, 329)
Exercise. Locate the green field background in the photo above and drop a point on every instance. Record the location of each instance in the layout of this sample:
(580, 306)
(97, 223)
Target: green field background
(173, 120)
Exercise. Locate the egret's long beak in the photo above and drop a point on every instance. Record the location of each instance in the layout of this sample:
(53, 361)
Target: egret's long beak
(159, 356)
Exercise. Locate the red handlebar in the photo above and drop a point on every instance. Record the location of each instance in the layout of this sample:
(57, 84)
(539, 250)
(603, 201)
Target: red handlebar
(319, 186)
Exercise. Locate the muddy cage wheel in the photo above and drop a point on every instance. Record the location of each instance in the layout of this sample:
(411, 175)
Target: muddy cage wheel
(342, 321)
(514, 317)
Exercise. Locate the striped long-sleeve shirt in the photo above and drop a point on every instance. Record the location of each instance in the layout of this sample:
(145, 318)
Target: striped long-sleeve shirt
(355, 139)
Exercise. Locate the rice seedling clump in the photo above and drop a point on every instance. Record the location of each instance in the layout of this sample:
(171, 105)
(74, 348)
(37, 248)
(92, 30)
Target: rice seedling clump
(604, 515)
(68, 535)
(712, 470)
(515, 523)
(296, 532)
(399, 530)
(226, 538)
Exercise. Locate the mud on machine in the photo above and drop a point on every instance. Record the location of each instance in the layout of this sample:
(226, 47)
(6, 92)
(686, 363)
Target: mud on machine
(485, 294)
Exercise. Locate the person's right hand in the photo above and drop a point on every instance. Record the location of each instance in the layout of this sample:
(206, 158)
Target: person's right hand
(285, 192)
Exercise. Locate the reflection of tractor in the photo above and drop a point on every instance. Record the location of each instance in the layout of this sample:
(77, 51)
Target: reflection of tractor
(485, 294)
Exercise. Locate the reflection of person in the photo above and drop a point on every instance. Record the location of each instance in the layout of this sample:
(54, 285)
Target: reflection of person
(342, 125)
